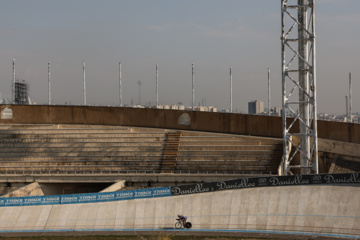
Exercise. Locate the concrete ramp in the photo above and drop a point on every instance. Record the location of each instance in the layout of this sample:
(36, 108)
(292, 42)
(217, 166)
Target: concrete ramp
(331, 210)
(32, 189)
(115, 187)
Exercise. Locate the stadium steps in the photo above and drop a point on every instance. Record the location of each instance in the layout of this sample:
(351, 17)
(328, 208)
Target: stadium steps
(168, 163)
(70, 168)
(80, 149)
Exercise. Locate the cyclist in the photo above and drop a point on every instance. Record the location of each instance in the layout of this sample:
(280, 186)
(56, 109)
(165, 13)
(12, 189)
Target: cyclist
(182, 218)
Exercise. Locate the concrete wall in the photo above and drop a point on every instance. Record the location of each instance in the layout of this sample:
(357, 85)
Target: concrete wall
(316, 209)
(256, 125)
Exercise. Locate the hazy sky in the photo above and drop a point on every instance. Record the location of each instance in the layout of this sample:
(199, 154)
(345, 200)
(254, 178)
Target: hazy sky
(214, 34)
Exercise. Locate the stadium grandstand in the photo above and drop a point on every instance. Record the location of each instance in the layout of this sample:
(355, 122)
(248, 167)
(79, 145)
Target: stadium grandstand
(71, 147)
(84, 168)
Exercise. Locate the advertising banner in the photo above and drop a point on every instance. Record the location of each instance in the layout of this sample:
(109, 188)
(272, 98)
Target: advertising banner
(241, 183)
(341, 178)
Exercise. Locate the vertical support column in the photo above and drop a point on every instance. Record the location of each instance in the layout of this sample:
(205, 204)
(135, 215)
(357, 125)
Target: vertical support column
(314, 157)
(231, 101)
(84, 83)
(304, 84)
(193, 88)
(49, 85)
(285, 162)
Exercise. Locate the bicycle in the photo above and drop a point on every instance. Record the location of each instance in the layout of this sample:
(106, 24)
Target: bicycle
(180, 224)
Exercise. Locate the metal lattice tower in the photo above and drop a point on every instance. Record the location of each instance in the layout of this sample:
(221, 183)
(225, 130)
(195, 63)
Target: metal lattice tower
(299, 114)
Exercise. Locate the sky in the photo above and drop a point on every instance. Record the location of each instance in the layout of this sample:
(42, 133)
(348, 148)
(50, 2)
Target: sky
(213, 34)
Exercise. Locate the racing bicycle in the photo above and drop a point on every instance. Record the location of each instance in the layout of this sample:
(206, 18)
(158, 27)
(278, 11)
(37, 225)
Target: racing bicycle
(180, 224)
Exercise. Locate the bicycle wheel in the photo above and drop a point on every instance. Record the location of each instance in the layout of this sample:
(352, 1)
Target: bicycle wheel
(178, 225)
(188, 225)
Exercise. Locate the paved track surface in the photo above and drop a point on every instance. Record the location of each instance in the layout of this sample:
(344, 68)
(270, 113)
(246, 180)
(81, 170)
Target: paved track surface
(172, 234)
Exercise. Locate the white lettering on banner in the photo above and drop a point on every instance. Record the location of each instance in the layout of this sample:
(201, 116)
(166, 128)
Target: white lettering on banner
(354, 178)
(244, 183)
(198, 189)
(51, 199)
(162, 191)
(125, 194)
(296, 181)
(69, 198)
(143, 193)
(107, 196)
(32, 200)
(14, 200)
(87, 198)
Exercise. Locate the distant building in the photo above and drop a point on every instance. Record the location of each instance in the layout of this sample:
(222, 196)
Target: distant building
(275, 111)
(256, 107)
(21, 92)
(206, 109)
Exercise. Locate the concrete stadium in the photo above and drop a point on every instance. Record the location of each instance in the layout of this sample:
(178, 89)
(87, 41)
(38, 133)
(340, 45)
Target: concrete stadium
(69, 150)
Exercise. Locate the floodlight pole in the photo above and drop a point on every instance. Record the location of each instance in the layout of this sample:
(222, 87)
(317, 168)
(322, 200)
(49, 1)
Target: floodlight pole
(49, 92)
(350, 100)
(120, 87)
(269, 97)
(157, 87)
(139, 83)
(193, 88)
(231, 100)
(13, 91)
(84, 83)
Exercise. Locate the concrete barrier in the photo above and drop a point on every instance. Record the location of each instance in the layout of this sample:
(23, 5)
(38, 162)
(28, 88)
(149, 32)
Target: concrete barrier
(245, 124)
(327, 204)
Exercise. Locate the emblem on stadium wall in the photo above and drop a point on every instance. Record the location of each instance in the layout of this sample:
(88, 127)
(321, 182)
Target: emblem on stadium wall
(184, 119)
(262, 181)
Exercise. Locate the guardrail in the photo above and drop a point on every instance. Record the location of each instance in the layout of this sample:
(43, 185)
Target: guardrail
(131, 172)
